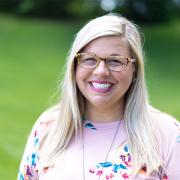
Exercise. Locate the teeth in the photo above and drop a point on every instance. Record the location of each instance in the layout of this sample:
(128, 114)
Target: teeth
(101, 86)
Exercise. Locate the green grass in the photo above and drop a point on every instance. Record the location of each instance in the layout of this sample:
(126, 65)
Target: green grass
(32, 54)
(162, 44)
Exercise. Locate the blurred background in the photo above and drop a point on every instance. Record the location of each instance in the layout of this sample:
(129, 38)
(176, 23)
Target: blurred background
(35, 36)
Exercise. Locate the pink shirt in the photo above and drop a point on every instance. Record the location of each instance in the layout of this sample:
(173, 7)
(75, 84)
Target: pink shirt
(98, 138)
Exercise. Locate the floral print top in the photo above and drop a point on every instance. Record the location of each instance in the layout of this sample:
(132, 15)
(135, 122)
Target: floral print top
(118, 164)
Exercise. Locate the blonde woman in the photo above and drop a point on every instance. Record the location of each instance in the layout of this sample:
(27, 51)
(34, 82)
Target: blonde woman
(103, 126)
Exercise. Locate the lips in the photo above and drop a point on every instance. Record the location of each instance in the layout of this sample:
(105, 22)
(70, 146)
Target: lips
(101, 86)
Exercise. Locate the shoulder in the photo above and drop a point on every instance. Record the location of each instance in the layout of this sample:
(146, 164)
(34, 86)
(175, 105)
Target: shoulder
(49, 115)
(42, 126)
(38, 133)
(164, 121)
(44, 123)
(168, 135)
(167, 129)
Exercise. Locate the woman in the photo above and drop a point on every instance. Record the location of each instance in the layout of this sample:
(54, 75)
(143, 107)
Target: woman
(103, 127)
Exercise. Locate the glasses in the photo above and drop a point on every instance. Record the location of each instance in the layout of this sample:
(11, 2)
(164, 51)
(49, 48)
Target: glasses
(113, 63)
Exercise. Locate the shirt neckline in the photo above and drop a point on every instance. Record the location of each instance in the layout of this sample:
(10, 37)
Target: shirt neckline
(101, 125)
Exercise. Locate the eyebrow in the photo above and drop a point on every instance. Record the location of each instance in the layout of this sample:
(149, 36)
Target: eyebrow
(114, 54)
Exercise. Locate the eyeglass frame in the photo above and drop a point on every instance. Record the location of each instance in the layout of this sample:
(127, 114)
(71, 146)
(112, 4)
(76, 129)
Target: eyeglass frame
(99, 59)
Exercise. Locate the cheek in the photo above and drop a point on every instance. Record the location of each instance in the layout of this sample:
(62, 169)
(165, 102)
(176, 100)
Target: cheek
(80, 76)
(125, 78)
(130, 72)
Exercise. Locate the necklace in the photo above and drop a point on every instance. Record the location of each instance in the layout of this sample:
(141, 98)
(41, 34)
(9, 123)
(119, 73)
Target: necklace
(110, 147)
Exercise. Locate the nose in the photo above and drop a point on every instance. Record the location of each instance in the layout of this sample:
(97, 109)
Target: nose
(101, 69)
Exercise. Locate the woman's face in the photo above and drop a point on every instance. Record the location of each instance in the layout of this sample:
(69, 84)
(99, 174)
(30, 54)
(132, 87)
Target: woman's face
(101, 86)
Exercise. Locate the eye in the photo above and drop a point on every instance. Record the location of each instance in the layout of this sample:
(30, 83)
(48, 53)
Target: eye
(114, 62)
(89, 61)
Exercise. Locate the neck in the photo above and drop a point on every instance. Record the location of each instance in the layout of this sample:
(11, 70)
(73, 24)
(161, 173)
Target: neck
(107, 114)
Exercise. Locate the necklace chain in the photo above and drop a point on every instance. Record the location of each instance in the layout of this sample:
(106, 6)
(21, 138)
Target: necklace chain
(110, 147)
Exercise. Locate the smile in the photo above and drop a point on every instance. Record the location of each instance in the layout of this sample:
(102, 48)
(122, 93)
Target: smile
(101, 87)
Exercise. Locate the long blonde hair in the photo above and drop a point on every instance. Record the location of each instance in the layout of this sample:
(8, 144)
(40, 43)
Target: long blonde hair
(139, 125)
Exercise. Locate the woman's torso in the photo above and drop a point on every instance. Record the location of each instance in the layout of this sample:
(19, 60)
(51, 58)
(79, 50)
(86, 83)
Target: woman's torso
(93, 164)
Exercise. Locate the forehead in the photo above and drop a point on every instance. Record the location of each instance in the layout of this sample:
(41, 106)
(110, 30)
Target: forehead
(108, 45)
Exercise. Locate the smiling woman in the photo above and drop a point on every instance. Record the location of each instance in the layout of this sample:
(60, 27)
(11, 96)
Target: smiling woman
(105, 84)
(103, 126)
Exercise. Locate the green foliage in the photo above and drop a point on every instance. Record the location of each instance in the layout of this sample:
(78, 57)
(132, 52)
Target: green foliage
(80, 8)
(32, 55)
(45, 8)
(139, 10)
(9, 5)
(149, 10)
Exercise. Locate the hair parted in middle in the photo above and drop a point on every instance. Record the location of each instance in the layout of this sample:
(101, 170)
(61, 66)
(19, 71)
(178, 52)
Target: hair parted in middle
(139, 124)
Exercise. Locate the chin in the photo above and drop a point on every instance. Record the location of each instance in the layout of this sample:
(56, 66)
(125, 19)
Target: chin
(100, 102)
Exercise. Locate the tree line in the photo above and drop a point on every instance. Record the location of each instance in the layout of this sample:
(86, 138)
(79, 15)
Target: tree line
(139, 10)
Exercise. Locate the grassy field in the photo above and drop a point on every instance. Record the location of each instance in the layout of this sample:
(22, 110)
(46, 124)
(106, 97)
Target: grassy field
(32, 54)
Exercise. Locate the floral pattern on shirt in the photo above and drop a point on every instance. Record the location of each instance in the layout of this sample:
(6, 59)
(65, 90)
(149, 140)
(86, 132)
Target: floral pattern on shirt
(29, 171)
(90, 126)
(118, 164)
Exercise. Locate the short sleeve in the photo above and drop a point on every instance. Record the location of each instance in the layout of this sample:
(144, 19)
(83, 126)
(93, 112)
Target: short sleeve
(27, 169)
